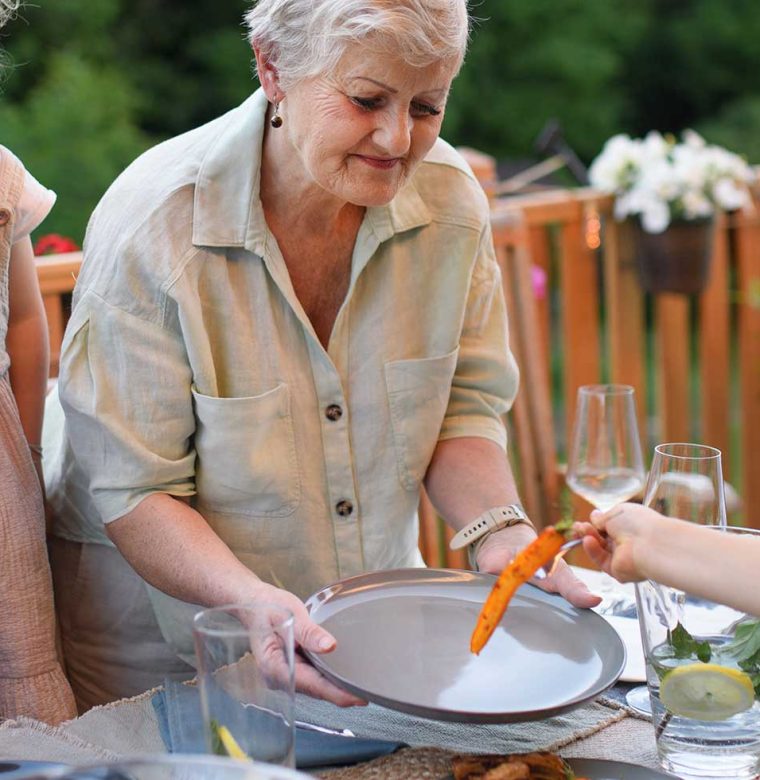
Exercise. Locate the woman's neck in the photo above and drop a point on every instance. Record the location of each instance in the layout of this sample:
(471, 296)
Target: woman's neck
(290, 197)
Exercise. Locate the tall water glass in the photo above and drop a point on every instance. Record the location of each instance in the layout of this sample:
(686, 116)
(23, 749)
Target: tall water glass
(702, 682)
(246, 675)
(605, 465)
(685, 481)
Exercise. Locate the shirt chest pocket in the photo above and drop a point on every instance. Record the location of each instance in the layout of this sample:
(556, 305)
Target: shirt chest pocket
(418, 395)
(246, 454)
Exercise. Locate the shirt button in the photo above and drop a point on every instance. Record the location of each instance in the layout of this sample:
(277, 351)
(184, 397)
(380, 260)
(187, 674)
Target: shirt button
(344, 508)
(5, 215)
(333, 412)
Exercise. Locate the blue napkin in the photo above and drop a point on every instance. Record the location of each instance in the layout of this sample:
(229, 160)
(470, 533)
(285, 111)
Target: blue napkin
(178, 709)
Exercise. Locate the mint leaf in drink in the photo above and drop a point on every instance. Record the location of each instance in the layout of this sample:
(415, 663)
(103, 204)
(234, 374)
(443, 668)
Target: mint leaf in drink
(685, 646)
(745, 645)
(703, 651)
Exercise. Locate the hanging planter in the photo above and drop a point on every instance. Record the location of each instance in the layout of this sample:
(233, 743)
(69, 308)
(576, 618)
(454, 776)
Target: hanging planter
(677, 260)
(670, 193)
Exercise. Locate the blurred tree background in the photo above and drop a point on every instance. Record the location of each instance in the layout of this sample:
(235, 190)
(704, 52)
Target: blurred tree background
(95, 82)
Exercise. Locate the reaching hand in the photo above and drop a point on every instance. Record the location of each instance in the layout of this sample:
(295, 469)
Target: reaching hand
(308, 636)
(499, 549)
(613, 539)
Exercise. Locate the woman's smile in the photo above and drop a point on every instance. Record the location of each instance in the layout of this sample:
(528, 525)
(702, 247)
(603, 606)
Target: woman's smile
(382, 163)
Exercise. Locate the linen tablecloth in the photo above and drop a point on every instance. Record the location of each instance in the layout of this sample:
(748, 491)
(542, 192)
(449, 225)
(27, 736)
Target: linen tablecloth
(604, 729)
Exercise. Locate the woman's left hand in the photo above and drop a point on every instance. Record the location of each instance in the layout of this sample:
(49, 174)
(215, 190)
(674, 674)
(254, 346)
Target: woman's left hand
(500, 548)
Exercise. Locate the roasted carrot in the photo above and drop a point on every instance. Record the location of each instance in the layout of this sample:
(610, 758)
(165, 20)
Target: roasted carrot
(541, 551)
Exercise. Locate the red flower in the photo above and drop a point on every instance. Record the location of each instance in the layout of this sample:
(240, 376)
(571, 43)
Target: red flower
(53, 244)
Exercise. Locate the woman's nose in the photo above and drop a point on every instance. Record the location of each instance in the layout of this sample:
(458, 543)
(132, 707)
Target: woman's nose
(393, 134)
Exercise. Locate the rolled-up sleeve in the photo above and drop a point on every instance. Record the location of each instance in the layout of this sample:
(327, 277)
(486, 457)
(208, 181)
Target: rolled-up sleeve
(486, 378)
(125, 388)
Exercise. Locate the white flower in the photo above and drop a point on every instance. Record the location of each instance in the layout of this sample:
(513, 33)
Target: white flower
(729, 195)
(655, 217)
(659, 180)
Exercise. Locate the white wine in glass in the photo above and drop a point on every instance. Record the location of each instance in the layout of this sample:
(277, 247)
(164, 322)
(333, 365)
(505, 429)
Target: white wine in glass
(605, 465)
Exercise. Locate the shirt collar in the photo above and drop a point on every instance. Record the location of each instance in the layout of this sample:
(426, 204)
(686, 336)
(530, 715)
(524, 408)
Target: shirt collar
(227, 207)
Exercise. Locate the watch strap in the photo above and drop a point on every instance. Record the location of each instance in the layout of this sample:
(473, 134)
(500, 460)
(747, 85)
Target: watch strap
(491, 520)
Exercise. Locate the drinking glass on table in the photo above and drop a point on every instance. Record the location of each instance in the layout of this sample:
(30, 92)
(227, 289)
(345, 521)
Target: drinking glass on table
(247, 686)
(703, 676)
(685, 481)
(605, 465)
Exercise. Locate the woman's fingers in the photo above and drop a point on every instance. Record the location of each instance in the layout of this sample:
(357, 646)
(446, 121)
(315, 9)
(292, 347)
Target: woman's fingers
(313, 637)
(312, 683)
(581, 529)
(598, 552)
(562, 580)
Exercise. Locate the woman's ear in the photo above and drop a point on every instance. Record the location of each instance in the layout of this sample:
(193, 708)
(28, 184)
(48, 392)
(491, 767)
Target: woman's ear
(268, 76)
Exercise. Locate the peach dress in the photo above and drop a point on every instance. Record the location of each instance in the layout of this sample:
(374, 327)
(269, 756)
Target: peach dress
(32, 682)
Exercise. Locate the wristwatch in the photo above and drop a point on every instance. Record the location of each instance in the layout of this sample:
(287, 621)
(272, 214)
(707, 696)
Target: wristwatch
(491, 520)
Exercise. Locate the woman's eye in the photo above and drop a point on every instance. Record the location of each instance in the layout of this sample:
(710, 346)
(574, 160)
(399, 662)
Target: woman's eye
(366, 103)
(425, 109)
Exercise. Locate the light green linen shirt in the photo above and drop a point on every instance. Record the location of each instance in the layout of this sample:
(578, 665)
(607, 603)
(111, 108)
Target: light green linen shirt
(190, 368)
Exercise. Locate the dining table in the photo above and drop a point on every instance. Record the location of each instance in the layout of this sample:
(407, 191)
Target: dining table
(603, 728)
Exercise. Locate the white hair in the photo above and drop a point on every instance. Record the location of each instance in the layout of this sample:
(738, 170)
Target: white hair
(8, 10)
(306, 38)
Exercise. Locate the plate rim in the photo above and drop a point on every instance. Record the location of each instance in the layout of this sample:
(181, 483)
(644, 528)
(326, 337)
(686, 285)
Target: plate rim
(448, 714)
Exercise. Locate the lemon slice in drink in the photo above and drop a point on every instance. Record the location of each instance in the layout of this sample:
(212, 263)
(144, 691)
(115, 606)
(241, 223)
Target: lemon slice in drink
(706, 691)
(230, 744)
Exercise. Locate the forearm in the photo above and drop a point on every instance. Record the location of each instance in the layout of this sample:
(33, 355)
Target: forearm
(27, 344)
(27, 339)
(703, 562)
(172, 547)
(466, 477)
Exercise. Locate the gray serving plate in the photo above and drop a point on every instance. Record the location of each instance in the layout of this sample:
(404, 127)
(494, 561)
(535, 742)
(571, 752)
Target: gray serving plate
(404, 642)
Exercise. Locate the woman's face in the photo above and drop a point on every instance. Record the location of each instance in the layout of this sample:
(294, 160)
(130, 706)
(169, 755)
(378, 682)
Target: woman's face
(360, 132)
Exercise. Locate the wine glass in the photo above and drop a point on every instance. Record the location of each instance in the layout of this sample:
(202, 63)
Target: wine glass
(685, 481)
(605, 465)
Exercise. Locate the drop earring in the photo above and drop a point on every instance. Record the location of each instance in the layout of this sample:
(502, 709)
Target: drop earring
(276, 120)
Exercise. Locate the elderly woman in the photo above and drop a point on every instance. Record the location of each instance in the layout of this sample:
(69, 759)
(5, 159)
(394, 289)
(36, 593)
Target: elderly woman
(286, 321)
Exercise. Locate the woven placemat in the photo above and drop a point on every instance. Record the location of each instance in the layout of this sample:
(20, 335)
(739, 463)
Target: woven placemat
(406, 764)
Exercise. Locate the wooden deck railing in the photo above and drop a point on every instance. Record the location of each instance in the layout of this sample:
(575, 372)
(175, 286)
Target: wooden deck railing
(694, 361)
(57, 275)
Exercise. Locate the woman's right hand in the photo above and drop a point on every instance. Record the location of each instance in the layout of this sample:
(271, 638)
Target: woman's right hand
(308, 636)
(615, 540)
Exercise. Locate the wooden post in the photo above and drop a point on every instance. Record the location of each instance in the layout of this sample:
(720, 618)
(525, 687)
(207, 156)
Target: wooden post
(625, 320)
(673, 366)
(715, 348)
(748, 267)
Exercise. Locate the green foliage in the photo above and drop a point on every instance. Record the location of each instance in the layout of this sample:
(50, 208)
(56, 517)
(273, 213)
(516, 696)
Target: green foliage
(529, 62)
(72, 138)
(736, 127)
(693, 59)
(190, 62)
